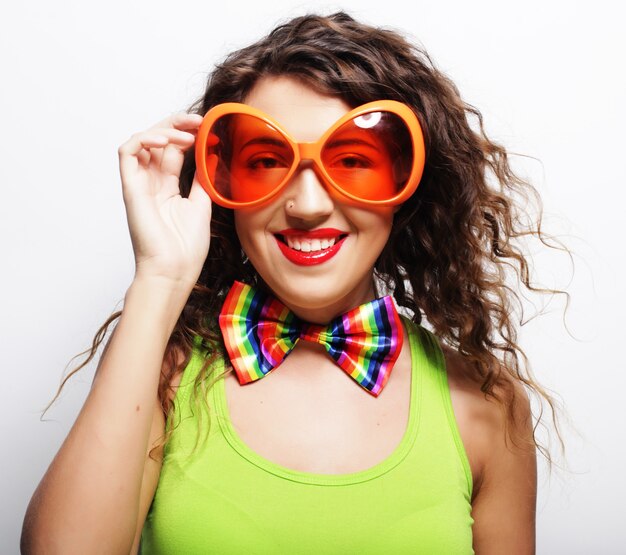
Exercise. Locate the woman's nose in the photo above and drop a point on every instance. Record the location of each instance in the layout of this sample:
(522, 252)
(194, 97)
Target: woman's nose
(306, 196)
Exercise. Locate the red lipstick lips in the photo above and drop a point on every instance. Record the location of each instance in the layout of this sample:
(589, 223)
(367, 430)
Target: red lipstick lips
(310, 258)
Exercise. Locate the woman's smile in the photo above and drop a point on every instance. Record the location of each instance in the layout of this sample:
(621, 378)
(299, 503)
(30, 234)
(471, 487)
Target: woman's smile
(310, 247)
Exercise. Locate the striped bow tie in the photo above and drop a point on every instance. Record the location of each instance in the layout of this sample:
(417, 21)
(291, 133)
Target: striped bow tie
(259, 332)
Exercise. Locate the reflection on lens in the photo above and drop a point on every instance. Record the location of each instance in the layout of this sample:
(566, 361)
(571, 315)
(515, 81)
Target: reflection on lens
(368, 120)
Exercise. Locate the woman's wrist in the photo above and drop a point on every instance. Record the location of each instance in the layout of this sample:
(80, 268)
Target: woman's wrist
(161, 299)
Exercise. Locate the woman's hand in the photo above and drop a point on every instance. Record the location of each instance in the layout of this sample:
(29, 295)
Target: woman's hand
(170, 234)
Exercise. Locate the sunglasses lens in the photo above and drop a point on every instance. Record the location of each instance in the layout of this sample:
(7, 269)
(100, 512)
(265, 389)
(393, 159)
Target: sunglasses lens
(370, 156)
(246, 158)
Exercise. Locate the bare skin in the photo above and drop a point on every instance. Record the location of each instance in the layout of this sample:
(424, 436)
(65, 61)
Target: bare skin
(504, 478)
(104, 463)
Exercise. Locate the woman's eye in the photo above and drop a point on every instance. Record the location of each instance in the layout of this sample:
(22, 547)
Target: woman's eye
(265, 163)
(351, 162)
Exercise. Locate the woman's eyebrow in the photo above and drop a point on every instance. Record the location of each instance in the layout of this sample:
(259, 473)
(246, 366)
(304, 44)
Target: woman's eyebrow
(351, 141)
(264, 141)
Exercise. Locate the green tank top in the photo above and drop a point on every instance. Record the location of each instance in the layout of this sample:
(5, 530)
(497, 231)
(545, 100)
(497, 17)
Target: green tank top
(226, 499)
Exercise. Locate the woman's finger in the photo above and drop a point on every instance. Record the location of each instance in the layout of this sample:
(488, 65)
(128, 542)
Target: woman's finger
(137, 150)
(148, 146)
(139, 144)
(172, 156)
(181, 120)
(198, 195)
(186, 121)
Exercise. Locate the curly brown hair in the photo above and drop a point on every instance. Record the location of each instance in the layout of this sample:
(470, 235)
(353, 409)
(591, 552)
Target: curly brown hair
(452, 241)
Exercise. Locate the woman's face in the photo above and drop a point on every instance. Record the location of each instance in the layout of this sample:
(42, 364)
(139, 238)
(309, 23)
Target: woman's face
(327, 280)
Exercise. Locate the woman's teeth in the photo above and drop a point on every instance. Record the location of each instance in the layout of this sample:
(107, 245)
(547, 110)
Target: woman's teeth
(309, 245)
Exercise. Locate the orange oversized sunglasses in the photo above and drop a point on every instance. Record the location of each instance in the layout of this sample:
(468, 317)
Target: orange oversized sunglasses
(373, 155)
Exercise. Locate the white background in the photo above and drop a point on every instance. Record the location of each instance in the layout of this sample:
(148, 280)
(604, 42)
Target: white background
(78, 79)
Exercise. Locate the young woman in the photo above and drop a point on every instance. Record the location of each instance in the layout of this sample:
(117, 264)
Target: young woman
(259, 393)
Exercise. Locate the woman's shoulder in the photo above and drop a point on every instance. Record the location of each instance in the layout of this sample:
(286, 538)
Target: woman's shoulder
(482, 420)
(502, 456)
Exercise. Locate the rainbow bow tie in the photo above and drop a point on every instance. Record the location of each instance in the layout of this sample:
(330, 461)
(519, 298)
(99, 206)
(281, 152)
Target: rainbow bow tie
(259, 332)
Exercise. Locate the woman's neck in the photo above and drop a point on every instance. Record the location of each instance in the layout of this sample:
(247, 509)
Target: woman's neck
(324, 314)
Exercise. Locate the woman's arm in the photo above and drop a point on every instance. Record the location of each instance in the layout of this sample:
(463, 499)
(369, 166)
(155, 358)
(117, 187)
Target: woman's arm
(505, 505)
(504, 475)
(151, 472)
(89, 499)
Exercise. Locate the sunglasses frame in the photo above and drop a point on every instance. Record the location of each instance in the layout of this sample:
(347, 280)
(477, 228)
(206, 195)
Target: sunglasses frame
(312, 151)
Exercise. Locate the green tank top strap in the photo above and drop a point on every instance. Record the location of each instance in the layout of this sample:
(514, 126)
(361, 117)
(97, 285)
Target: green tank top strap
(436, 380)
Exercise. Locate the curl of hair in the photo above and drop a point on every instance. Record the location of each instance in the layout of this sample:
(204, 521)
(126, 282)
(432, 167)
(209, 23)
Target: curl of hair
(451, 242)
